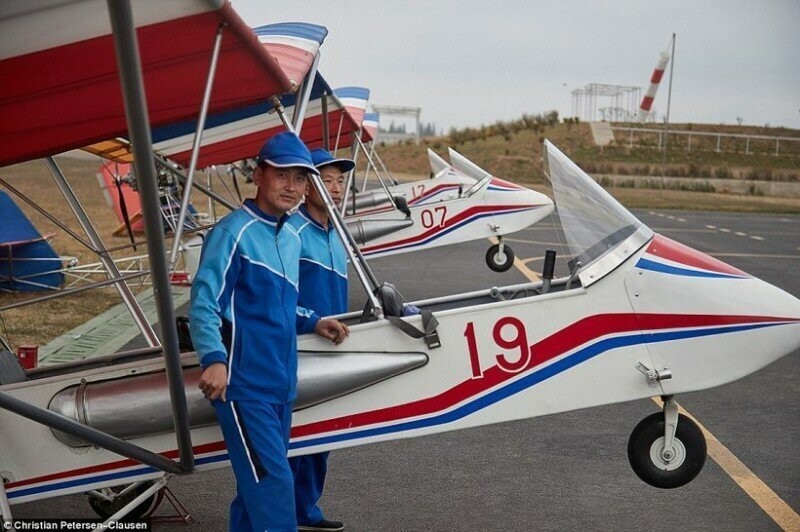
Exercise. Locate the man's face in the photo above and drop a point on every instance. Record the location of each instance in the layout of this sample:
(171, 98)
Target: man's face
(333, 178)
(279, 189)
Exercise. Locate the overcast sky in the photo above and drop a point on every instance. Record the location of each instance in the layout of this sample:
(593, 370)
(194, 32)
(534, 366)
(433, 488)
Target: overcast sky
(467, 63)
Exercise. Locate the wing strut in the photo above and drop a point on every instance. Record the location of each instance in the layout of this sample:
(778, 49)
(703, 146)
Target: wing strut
(130, 70)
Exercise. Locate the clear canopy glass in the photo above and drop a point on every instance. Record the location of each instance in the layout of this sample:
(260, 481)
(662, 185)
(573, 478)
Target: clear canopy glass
(593, 222)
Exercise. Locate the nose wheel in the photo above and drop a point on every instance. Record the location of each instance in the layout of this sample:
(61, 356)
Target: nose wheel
(500, 257)
(667, 449)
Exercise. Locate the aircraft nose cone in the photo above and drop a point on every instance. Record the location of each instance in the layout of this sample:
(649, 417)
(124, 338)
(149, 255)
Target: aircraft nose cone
(722, 323)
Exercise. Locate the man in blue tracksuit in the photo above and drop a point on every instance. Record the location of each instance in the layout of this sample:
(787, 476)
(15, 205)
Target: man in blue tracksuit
(323, 289)
(243, 318)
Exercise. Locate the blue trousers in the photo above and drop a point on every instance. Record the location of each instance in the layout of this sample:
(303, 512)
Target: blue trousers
(309, 479)
(257, 437)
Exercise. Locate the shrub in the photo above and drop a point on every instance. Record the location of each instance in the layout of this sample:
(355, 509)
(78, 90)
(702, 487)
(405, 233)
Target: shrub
(723, 172)
(753, 190)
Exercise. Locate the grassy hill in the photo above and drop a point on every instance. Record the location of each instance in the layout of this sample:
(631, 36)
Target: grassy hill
(514, 151)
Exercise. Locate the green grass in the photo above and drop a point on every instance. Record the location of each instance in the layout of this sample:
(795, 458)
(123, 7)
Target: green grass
(517, 156)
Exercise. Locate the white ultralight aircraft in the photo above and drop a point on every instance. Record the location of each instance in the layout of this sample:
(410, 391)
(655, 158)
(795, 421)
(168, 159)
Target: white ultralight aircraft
(640, 315)
(460, 203)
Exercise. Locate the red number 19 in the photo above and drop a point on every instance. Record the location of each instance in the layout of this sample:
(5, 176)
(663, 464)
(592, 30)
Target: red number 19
(518, 341)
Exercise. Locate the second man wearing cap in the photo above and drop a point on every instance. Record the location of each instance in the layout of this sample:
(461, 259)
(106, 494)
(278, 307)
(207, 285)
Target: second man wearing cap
(323, 289)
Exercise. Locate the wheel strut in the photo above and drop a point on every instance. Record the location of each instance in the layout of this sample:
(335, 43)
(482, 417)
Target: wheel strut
(670, 427)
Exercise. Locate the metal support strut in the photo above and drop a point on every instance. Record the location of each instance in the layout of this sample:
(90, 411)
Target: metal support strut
(365, 275)
(670, 427)
(130, 71)
(198, 137)
(5, 508)
(97, 244)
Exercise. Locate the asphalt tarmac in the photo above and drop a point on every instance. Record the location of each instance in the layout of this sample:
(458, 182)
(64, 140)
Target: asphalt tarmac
(566, 471)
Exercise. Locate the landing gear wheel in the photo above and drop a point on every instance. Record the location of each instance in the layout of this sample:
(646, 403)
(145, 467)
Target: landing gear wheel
(647, 457)
(499, 261)
(106, 509)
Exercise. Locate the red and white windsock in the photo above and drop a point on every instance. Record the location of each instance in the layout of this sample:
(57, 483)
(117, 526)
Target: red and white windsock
(658, 73)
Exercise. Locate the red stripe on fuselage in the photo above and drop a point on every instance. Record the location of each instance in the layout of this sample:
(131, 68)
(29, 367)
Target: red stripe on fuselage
(119, 464)
(450, 222)
(560, 342)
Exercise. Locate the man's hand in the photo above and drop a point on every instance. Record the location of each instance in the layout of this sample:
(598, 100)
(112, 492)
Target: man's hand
(214, 381)
(333, 330)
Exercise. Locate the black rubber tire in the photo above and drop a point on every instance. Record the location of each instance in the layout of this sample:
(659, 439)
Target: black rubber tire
(647, 434)
(106, 509)
(491, 258)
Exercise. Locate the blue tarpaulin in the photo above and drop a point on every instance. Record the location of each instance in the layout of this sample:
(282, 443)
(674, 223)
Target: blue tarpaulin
(27, 262)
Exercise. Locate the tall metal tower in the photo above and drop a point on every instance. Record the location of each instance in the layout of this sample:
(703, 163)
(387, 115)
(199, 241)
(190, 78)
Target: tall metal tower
(608, 103)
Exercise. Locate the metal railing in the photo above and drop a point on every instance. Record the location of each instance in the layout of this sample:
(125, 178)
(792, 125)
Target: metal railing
(744, 143)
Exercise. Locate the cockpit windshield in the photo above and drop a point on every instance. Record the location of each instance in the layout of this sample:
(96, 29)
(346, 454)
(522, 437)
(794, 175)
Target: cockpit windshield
(593, 222)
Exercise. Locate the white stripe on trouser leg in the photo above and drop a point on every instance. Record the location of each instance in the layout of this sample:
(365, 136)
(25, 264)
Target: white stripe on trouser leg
(233, 338)
(244, 442)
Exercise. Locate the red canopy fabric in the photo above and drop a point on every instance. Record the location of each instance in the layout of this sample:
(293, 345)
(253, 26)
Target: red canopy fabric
(61, 97)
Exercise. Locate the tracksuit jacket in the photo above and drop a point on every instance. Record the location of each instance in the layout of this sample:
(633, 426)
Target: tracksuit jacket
(244, 309)
(323, 266)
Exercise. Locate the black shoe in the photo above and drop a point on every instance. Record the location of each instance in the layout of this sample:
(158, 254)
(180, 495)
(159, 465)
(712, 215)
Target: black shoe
(329, 526)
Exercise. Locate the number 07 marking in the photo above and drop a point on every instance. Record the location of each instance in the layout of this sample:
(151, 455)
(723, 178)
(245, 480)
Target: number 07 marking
(435, 216)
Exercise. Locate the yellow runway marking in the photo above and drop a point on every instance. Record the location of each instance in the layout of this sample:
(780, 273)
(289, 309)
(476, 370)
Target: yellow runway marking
(769, 501)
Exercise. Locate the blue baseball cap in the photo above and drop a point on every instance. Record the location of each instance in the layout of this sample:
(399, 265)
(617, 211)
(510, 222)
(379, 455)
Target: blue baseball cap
(286, 150)
(322, 157)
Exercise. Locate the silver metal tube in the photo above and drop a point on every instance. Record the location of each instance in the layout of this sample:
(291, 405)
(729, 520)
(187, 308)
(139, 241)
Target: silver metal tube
(47, 215)
(367, 169)
(71, 291)
(380, 180)
(301, 102)
(130, 70)
(339, 132)
(351, 181)
(125, 510)
(167, 165)
(73, 428)
(363, 271)
(347, 189)
(669, 102)
(326, 141)
(383, 166)
(365, 275)
(108, 263)
(198, 137)
(94, 362)
(5, 508)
